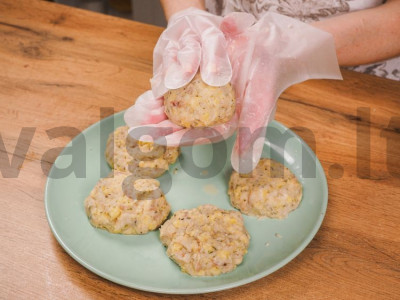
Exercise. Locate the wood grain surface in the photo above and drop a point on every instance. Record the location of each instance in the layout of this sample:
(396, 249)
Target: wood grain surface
(60, 65)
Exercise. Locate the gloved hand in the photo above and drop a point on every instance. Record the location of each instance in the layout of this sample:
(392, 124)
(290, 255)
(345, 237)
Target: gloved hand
(267, 57)
(191, 40)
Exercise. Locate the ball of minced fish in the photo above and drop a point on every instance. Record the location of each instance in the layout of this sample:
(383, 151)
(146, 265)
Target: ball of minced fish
(271, 190)
(205, 241)
(200, 105)
(125, 154)
(123, 204)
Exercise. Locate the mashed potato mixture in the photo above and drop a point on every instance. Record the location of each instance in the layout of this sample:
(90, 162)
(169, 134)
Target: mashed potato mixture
(125, 206)
(205, 241)
(271, 190)
(125, 154)
(198, 104)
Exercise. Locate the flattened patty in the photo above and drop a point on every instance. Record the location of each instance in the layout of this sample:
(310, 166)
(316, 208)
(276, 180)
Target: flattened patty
(271, 190)
(125, 154)
(109, 207)
(205, 241)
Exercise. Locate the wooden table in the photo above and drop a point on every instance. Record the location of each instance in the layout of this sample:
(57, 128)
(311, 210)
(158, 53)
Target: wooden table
(59, 65)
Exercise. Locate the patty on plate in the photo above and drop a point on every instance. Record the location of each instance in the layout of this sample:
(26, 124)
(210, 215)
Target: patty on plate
(271, 190)
(125, 154)
(205, 241)
(122, 204)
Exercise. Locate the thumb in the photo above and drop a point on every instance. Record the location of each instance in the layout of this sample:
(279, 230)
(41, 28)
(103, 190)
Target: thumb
(146, 110)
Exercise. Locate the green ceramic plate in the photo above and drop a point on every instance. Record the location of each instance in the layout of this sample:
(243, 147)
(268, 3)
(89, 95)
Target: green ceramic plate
(197, 178)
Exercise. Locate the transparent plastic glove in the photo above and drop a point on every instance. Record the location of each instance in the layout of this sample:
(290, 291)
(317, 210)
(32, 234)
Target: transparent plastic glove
(191, 40)
(267, 57)
(148, 122)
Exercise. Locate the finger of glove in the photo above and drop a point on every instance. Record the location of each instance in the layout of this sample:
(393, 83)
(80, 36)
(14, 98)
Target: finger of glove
(203, 135)
(198, 136)
(176, 57)
(157, 81)
(169, 134)
(215, 65)
(154, 132)
(157, 85)
(178, 53)
(246, 159)
(181, 55)
(241, 42)
(146, 110)
(181, 66)
(250, 138)
(258, 109)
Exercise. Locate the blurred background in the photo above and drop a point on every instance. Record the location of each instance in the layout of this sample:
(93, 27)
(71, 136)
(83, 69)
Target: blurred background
(146, 11)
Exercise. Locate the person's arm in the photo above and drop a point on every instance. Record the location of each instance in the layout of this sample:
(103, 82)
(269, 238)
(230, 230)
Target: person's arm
(172, 6)
(366, 36)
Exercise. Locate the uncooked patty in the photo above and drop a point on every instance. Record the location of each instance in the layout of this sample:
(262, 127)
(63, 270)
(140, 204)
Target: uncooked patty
(271, 190)
(142, 159)
(198, 104)
(205, 241)
(110, 208)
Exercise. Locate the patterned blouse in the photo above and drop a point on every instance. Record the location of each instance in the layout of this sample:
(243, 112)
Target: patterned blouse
(310, 11)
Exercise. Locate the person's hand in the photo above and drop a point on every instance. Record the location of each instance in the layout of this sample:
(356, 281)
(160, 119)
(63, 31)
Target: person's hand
(267, 57)
(191, 40)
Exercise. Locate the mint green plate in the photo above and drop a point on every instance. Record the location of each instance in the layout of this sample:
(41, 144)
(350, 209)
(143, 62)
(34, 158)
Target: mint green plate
(140, 261)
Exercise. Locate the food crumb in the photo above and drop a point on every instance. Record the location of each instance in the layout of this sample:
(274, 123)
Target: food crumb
(204, 173)
(278, 236)
(175, 171)
(267, 244)
(210, 189)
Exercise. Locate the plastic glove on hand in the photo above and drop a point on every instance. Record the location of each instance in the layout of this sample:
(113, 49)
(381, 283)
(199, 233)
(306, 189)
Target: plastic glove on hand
(181, 50)
(267, 57)
(191, 40)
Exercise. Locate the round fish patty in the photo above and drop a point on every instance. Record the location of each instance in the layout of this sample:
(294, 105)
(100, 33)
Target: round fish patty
(271, 190)
(205, 241)
(125, 154)
(198, 104)
(109, 207)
